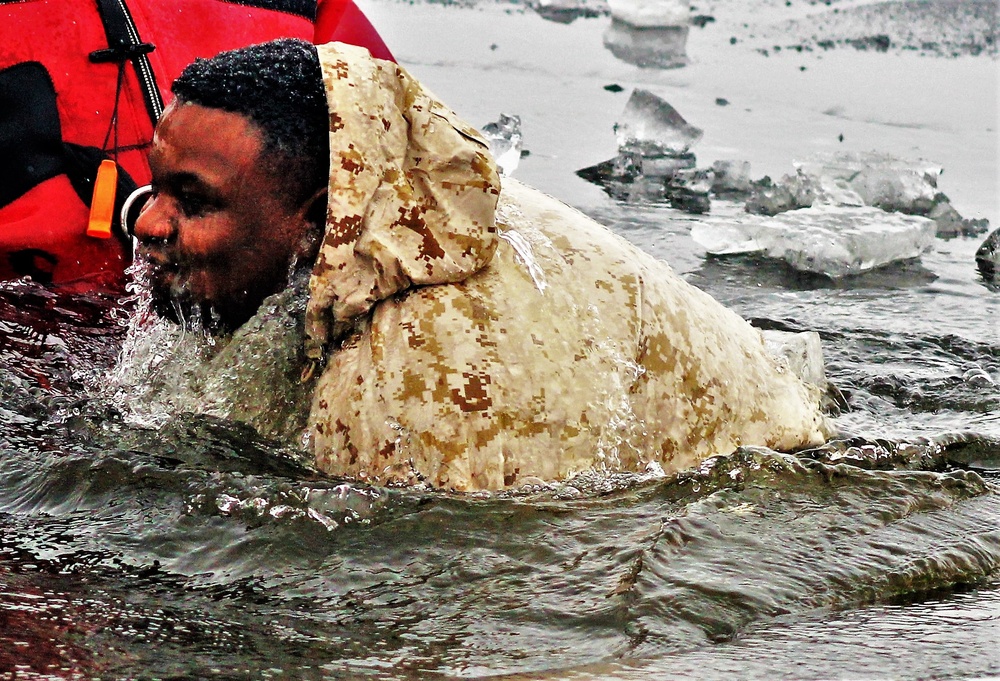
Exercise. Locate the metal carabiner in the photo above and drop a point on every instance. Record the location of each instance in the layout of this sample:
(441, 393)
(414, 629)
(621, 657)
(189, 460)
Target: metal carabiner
(132, 208)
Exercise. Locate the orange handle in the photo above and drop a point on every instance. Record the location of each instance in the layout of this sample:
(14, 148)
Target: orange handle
(102, 205)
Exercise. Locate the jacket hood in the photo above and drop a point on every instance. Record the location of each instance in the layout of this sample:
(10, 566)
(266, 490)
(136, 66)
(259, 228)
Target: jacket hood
(412, 193)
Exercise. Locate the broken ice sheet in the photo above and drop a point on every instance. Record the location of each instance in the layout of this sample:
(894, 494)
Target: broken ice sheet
(836, 241)
(877, 179)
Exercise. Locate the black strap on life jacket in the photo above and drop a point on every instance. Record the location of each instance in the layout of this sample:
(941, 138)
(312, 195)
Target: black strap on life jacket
(302, 8)
(126, 45)
(31, 146)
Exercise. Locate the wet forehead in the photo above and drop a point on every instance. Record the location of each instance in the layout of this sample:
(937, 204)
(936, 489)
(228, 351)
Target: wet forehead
(217, 147)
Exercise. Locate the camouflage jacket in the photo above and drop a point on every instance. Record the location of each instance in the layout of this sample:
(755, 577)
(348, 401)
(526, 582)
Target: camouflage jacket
(477, 338)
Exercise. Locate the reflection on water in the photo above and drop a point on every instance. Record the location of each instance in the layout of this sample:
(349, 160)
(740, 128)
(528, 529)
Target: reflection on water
(661, 47)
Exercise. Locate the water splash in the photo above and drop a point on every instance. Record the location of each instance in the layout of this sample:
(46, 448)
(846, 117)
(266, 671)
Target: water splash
(250, 376)
(523, 248)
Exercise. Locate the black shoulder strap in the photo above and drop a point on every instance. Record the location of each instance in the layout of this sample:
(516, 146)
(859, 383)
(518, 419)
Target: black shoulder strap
(125, 44)
(30, 135)
(302, 8)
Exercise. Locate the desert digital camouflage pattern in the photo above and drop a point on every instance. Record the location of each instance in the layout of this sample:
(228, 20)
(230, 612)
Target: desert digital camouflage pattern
(412, 193)
(477, 348)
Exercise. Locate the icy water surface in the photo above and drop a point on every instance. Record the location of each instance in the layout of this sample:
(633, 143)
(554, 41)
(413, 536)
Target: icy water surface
(195, 549)
(198, 551)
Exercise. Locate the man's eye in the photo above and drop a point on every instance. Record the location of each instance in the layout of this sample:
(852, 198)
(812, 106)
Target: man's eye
(192, 205)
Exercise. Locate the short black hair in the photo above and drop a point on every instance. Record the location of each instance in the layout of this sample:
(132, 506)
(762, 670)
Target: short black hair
(278, 86)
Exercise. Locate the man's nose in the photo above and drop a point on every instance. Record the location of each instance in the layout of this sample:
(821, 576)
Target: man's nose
(155, 221)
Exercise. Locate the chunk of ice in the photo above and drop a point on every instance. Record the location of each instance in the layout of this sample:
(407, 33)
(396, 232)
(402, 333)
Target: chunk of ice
(653, 161)
(800, 352)
(950, 222)
(568, 11)
(731, 178)
(504, 138)
(688, 190)
(865, 179)
(652, 127)
(988, 256)
(801, 190)
(647, 13)
(836, 241)
(855, 179)
(878, 179)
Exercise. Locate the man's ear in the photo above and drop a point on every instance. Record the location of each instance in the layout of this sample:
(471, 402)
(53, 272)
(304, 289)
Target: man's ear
(315, 209)
(313, 212)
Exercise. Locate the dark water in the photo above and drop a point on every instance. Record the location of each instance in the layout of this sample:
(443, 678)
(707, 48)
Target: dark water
(197, 550)
(193, 549)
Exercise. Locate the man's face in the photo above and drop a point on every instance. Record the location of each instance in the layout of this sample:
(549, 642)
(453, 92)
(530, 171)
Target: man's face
(218, 233)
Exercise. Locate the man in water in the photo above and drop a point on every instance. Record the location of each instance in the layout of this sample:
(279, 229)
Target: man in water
(82, 83)
(450, 332)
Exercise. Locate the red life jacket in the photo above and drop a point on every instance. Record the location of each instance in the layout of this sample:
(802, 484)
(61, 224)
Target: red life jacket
(65, 56)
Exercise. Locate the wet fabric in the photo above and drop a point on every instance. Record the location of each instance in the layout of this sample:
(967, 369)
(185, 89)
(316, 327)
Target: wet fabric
(473, 347)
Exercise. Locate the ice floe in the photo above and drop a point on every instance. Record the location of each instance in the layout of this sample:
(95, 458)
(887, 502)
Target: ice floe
(649, 33)
(654, 161)
(832, 240)
(864, 179)
(651, 13)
